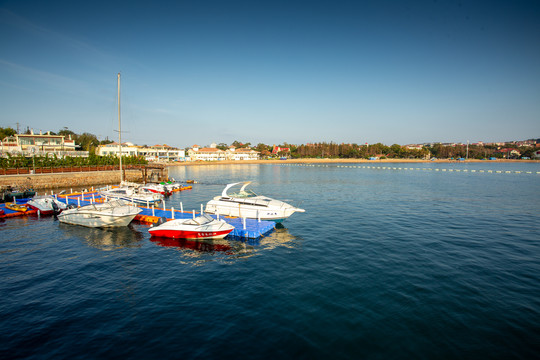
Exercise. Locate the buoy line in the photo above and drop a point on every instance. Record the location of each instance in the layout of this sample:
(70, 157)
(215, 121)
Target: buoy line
(415, 169)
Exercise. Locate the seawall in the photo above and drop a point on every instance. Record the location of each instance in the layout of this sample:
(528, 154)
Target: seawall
(69, 180)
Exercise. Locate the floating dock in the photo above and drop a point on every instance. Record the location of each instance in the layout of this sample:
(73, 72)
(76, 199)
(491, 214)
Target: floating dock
(8, 213)
(243, 228)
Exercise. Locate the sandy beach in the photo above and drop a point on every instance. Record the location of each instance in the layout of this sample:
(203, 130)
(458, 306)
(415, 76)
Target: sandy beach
(326, 161)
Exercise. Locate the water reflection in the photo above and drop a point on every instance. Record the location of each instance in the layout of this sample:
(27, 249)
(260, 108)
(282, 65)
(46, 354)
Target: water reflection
(105, 239)
(280, 237)
(200, 251)
(199, 245)
(228, 249)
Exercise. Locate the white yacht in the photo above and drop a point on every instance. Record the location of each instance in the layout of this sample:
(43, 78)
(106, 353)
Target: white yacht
(108, 214)
(247, 204)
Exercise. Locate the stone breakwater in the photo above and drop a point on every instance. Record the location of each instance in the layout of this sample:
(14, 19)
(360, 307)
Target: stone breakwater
(69, 180)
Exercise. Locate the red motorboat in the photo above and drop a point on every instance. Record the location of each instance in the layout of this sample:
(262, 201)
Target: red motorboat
(201, 227)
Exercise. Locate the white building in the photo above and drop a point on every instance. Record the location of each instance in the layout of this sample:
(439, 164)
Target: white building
(40, 144)
(150, 153)
(242, 154)
(128, 149)
(196, 153)
(162, 153)
(414, 146)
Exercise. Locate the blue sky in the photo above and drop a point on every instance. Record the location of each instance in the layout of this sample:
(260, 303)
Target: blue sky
(197, 72)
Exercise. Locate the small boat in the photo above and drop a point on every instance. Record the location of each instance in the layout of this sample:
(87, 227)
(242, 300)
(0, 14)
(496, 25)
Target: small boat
(172, 185)
(109, 214)
(247, 204)
(201, 227)
(156, 189)
(191, 181)
(132, 194)
(8, 194)
(46, 205)
(16, 207)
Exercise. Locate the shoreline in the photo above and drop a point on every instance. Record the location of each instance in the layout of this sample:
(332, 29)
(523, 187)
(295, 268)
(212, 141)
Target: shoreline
(86, 179)
(329, 161)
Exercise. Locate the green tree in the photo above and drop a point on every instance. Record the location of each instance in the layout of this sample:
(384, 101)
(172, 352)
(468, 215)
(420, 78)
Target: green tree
(396, 151)
(88, 142)
(237, 144)
(66, 132)
(263, 147)
(5, 132)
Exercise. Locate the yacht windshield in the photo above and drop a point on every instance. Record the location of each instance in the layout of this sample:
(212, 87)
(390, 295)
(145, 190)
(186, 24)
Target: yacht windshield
(243, 194)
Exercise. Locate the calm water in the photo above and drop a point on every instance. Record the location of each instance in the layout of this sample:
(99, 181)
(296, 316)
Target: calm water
(383, 264)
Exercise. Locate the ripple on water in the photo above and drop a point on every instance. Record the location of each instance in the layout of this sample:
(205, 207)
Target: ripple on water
(383, 264)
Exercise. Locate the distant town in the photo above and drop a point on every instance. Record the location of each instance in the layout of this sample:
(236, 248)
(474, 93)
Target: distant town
(65, 143)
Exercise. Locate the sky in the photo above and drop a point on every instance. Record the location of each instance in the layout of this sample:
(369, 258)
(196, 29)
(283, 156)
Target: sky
(273, 72)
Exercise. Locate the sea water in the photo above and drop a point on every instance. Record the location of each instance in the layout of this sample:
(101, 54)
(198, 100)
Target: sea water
(388, 261)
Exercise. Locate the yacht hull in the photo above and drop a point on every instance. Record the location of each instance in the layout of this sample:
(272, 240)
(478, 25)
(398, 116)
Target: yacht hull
(247, 204)
(89, 219)
(111, 214)
(247, 211)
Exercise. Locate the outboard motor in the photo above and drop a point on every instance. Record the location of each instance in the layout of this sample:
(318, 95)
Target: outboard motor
(161, 220)
(56, 209)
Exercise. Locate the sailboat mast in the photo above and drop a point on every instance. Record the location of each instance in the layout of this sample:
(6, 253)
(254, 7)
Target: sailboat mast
(120, 132)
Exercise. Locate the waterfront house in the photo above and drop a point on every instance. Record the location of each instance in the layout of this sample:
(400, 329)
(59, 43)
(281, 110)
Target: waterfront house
(128, 149)
(277, 150)
(414, 146)
(151, 153)
(509, 153)
(40, 144)
(242, 154)
(197, 153)
(162, 153)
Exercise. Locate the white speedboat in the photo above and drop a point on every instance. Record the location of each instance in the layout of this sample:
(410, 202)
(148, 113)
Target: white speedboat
(172, 185)
(201, 227)
(156, 189)
(247, 204)
(109, 214)
(132, 194)
(46, 205)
